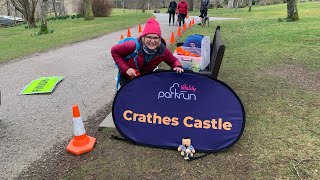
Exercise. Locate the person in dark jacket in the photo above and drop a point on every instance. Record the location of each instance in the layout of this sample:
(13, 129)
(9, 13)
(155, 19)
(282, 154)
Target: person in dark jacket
(203, 10)
(182, 10)
(172, 11)
(152, 52)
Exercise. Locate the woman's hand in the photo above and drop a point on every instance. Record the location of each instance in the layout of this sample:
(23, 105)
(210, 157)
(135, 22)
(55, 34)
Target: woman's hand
(178, 69)
(131, 72)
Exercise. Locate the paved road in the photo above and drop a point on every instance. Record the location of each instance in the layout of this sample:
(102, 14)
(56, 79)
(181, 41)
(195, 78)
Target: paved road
(32, 124)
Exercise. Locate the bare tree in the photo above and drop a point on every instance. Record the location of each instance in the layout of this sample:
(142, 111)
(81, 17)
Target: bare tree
(27, 8)
(62, 6)
(292, 10)
(44, 13)
(123, 5)
(233, 3)
(58, 7)
(250, 5)
(230, 3)
(157, 4)
(54, 7)
(88, 10)
(8, 7)
(141, 4)
(190, 5)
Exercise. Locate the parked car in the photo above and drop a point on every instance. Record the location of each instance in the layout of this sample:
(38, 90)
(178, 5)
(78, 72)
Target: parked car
(6, 21)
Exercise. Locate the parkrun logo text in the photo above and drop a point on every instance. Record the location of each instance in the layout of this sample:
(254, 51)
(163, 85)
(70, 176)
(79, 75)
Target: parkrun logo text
(177, 91)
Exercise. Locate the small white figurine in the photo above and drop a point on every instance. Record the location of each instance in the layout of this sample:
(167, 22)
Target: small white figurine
(186, 148)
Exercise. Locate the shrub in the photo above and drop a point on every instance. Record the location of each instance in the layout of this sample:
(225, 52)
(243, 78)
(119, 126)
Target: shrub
(101, 8)
(79, 15)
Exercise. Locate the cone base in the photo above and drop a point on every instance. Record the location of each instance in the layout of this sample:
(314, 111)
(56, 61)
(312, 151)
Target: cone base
(83, 149)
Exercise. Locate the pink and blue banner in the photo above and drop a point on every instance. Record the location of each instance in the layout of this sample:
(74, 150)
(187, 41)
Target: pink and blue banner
(161, 108)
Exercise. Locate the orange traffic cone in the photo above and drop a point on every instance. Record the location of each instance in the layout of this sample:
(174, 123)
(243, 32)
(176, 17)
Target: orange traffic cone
(172, 38)
(121, 37)
(190, 24)
(184, 27)
(128, 33)
(81, 142)
(179, 31)
(139, 29)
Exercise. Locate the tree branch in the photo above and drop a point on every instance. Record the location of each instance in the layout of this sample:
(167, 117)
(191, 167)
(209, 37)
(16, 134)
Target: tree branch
(14, 3)
(295, 167)
(297, 172)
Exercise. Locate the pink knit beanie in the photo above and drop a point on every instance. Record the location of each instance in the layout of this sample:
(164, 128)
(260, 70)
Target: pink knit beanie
(152, 27)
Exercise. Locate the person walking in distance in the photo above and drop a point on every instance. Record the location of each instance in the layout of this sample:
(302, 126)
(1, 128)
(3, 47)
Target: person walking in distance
(172, 11)
(182, 10)
(203, 11)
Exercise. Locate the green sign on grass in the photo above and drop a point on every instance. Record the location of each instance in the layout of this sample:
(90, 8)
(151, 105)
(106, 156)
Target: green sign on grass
(42, 85)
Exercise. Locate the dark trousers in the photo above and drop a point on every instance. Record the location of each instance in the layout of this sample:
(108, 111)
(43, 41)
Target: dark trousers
(171, 14)
(182, 17)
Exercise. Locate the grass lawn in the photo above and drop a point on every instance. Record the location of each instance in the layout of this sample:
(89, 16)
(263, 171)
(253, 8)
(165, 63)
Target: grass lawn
(17, 41)
(274, 67)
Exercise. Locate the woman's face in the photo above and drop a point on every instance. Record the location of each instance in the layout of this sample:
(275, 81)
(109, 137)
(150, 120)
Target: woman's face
(152, 41)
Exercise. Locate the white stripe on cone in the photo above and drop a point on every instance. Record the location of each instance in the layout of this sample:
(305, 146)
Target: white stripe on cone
(78, 127)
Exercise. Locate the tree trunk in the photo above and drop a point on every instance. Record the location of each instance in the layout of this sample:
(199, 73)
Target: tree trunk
(236, 3)
(142, 4)
(62, 11)
(250, 5)
(54, 7)
(31, 22)
(123, 5)
(233, 3)
(217, 3)
(44, 12)
(190, 5)
(15, 13)
(292, 10)
(88, 10)
(8, 8)
(230, 3)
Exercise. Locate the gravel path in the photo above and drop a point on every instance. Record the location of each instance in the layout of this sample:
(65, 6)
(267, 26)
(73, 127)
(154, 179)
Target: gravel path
(32, 124)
